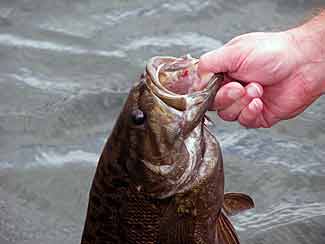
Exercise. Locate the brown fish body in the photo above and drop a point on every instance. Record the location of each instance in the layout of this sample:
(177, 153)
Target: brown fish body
(160, 177)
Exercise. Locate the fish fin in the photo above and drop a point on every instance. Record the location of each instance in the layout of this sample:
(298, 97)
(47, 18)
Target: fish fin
(225, 231)
(235, 202)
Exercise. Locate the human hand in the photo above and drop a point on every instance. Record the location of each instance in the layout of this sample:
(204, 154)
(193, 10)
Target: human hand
(268, 78)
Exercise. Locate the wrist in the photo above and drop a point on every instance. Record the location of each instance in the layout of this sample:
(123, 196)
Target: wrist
(309, 40)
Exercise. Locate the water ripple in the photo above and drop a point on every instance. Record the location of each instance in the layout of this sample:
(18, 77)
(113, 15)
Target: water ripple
(44, 84)
(16, 41)
(51, 158)
(117, 16)
(297, 156)
(190, 40)
(283, 214)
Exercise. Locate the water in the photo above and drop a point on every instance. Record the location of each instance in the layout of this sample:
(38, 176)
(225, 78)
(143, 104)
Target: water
(66, 67)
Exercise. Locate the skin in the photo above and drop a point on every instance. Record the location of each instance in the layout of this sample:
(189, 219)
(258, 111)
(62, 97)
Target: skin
(269, 76)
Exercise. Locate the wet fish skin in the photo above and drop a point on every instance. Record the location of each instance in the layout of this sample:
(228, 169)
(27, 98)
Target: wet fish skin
(161, 181)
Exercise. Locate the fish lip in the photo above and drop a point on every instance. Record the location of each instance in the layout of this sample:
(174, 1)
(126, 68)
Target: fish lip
(177, 101)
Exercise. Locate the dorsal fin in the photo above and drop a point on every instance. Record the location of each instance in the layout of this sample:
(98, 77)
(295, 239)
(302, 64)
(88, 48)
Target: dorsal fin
(235, 202)
(225, 231)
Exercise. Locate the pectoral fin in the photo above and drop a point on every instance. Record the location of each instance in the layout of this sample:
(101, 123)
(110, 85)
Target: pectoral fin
(236, 202)
(225, 231)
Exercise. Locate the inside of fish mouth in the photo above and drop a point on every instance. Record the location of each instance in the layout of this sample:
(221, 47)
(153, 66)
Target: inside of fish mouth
(179, 77)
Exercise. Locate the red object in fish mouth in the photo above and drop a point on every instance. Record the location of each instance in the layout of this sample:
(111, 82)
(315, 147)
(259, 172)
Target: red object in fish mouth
(185, 73)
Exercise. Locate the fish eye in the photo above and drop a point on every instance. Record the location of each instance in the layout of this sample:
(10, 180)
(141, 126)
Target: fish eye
(138, 117)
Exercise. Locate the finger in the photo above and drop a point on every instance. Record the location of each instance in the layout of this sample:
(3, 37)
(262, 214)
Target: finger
(231, 113)
(227, 95)
(217, 61)
(249, 115)
(267, 118)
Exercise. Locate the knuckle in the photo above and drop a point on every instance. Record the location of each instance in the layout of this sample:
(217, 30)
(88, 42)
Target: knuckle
(227, 116)
(246, 118)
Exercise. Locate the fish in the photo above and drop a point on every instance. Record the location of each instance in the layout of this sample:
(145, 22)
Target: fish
(160, 177)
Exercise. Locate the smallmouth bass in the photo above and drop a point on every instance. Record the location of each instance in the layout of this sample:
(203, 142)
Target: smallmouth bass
(160, 177)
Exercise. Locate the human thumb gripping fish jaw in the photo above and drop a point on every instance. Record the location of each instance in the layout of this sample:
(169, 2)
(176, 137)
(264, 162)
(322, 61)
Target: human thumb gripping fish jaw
(160, 176)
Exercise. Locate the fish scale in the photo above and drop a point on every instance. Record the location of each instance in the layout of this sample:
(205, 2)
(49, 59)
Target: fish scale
(140, 214)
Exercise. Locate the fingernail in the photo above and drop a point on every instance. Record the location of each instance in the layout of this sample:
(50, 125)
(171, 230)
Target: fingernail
(201, 71)
(235, 93)
(254, 90)
(205, 76)
(203, 63)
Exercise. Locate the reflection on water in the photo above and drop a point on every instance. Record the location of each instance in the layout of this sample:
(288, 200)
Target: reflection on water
(65, 69)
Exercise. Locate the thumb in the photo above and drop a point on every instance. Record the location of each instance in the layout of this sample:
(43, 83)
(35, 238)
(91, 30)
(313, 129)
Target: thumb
(217, 61)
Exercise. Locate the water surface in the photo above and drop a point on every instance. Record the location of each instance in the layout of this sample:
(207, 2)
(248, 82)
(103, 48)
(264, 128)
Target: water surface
(65, 69)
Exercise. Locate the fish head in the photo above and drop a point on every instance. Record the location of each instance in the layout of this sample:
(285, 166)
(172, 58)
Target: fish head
(163, 110)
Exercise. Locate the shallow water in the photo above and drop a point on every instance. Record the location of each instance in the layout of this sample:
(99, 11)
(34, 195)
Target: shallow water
(66, 67)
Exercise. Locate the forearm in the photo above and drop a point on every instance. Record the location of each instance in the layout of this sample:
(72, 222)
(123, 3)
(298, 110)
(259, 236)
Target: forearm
(309, 39)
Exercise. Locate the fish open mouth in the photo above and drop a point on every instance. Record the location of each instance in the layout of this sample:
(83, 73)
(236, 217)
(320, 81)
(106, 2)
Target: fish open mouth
(173, 80)
(177, 75)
